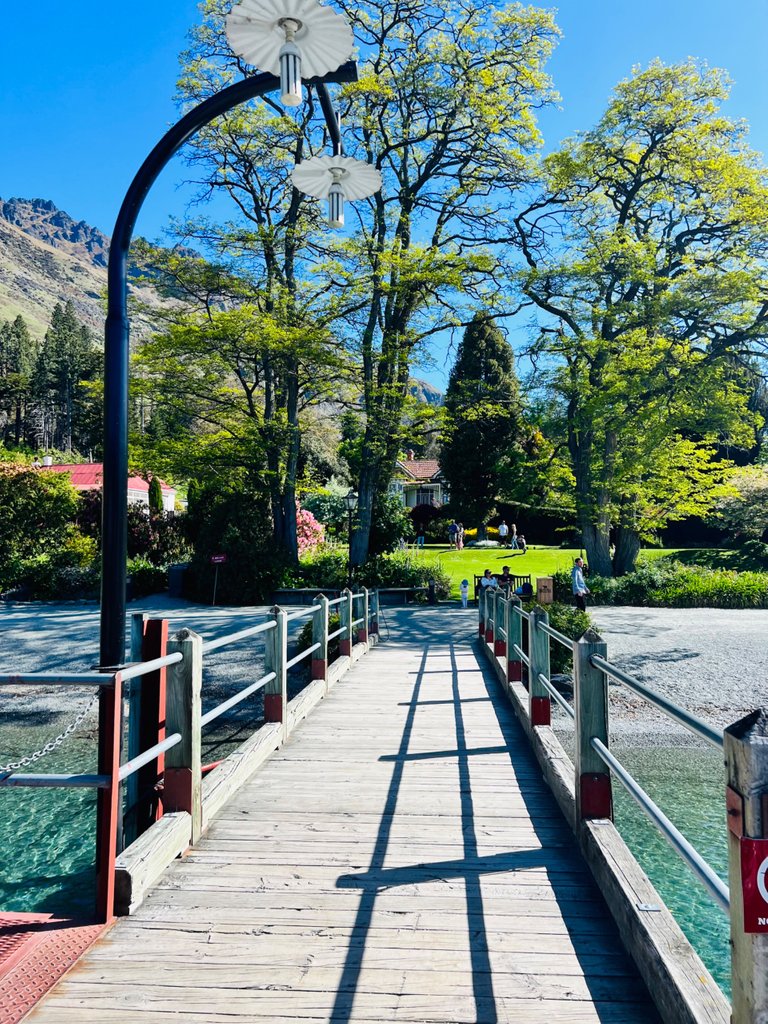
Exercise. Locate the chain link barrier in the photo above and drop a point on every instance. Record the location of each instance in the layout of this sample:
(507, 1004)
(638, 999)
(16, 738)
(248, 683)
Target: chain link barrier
(52, 745)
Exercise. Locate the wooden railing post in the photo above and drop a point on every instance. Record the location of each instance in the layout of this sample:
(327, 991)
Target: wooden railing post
(514, 630)
(183, 777)
(320, 636)
(746, 762)
(374, 606)
(590, 695)
(499, 624)
(108, 800)
(481, 611)
(538, 652)
(346, 616)
(490, 607)
(276, 657)
(362, 636)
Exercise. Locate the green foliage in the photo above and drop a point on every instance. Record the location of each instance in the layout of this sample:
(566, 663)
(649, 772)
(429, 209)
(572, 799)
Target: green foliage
(483, 420)
(304, 639)
(570, 621)
(232, 518)
(155, 496)
(744, 511)
(647, 246)
(666, 583)
(329, 509)
(146, 578)
(391, 524)
(402, 569)
(36, 513)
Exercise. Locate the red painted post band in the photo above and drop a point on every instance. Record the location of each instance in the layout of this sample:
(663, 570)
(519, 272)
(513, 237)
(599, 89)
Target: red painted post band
(480, 629)
(489, 635)
(319, 668)
(596, 796)
(541, 711)
(362, 635)
(273, 707)
(374, 627)
(345, 647)
(177, 790)
(514, 671)
(500, 648)
(152, 722)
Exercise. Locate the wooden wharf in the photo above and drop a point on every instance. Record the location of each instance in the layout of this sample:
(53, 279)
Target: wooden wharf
(400, 858)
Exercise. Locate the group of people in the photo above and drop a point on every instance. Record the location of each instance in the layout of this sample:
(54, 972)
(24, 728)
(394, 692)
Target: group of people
(505, 579)
(456, 535)
(510, 538)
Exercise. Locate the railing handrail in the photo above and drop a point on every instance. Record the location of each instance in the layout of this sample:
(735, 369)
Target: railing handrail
(143, 668)
(555, 693)
(66, 781)
(57, 679)
(519, 610)
(691, 722)
(127, 769)
(304, 613)
(235, 699)
(243, 634)
(302, 654)
(557, 635)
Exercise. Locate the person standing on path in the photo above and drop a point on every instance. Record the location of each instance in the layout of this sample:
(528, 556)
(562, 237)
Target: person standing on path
(503, 533)
(453, 530)
(578, 586)
(464, 591)
(459, 536)
(513, 537)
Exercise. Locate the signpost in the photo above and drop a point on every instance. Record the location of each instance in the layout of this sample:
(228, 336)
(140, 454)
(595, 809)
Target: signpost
(216, 560)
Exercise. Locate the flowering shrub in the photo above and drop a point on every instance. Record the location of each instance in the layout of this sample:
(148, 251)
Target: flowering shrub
(310, 534)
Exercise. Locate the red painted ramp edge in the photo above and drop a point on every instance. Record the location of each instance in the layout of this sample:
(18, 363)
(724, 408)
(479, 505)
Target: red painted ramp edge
(35, 951)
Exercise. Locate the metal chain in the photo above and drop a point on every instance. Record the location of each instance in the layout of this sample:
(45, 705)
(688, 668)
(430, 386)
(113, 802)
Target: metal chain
(25, 762)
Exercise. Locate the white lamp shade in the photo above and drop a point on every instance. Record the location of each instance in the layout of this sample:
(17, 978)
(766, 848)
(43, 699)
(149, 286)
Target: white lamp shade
(315, 176)
(324, 39)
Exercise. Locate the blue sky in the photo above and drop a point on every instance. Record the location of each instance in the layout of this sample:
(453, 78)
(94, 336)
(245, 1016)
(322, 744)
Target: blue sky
(86, 88)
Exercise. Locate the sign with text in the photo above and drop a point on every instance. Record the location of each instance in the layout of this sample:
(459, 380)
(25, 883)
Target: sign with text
(218, 559)
(754, 883)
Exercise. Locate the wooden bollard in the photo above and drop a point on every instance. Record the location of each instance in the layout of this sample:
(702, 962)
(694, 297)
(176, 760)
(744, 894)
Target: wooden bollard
(346, 616)
(146, 725)
(275, 659)
(490, 607)
(514, 628)
(374, 605)
(183, 789)
(362, 636)
(481, 611)
(590, 695)
(320, 636)
(746, 763)
(499, 620)
(539, 703)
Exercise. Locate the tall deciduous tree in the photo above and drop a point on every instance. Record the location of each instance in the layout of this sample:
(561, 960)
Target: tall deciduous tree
(445, 109)
(646, 256)
(483, 420)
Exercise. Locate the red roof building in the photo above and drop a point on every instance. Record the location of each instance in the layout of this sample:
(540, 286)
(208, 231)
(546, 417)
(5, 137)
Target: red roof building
(88, 477)
(418, 482)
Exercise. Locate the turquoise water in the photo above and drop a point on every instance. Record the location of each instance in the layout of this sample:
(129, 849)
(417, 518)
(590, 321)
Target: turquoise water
(688, 784)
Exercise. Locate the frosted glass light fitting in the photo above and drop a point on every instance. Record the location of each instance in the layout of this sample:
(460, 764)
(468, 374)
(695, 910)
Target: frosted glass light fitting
(336, 178)
(294, 39)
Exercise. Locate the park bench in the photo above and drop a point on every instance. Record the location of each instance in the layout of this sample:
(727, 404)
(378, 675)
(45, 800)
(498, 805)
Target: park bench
(514, 581)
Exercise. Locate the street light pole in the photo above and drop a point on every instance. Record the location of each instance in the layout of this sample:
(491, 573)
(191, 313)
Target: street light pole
(351, 501)
(116, 341)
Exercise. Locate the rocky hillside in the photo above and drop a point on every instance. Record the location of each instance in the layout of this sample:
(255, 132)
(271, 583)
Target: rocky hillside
(47, 257)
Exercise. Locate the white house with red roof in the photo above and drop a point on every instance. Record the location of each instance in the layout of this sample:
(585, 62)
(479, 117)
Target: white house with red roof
(418, 482)
(88, 476)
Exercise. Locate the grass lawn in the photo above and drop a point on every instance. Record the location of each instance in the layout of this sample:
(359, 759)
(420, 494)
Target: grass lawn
(537, 561)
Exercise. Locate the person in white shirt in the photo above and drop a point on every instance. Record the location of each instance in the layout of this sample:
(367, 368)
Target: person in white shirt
(503, 532)
(488, 580)
(464, 591)
(579, 587)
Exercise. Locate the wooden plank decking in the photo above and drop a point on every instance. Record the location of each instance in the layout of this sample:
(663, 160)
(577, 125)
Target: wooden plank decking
(400, 860)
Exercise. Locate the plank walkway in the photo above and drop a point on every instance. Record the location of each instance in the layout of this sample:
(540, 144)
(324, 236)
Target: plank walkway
(400, 860)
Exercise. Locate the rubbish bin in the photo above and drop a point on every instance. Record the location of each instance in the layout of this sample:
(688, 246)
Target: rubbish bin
(176, 579)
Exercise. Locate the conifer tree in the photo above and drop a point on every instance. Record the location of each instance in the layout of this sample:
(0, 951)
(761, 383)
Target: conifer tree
(484, 420)
(17, 358)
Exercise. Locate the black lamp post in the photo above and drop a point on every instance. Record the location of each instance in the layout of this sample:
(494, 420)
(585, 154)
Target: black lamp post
(116, 337)
(350, 499)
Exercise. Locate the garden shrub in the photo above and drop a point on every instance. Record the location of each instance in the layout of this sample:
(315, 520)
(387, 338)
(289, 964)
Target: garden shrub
(146, 578)
(667, 583)
(304, 639)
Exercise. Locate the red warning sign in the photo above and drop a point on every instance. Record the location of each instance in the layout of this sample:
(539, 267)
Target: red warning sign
(754, 884)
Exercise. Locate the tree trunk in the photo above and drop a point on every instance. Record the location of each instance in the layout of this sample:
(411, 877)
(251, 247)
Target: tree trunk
(597, 547)
(369, 480)
(627, 550)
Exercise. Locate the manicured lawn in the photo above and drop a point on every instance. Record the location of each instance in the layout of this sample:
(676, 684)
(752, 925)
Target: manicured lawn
(537, 561)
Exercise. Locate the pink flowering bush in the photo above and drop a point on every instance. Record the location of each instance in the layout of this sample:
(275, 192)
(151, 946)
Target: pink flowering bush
(309, 532)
